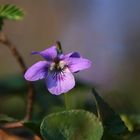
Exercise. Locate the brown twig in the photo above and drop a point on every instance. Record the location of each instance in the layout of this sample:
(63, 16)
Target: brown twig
(5, 41)
(12, 124)
(30, 101)
(5, 132)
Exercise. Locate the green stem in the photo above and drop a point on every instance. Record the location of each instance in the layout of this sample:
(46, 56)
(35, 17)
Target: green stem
(66, 101)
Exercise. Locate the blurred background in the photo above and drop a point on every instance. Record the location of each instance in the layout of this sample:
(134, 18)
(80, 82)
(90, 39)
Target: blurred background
(104, 31)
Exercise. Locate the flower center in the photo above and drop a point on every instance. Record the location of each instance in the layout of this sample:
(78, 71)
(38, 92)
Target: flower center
(58, 66)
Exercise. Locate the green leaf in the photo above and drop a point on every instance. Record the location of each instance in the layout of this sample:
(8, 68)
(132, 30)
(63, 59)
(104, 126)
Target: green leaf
(4, 118)
(110, 119)
(71, 125)
(132, 121)
(135, 119)
(128, 122)
(11, 12)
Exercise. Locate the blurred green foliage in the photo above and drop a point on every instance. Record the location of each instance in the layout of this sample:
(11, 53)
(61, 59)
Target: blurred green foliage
(13, 92)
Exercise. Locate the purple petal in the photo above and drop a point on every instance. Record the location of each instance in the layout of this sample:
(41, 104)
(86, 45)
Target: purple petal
(49, 53)
(60, 83)
(77, 64)
(73, 54)
(37, 71)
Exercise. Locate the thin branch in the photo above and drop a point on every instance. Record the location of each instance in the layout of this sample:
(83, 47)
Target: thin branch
(30, 97)
(30, 101)
(17, 125)
(12, 124)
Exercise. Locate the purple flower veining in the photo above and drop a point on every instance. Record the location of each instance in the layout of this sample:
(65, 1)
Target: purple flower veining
(57, 69)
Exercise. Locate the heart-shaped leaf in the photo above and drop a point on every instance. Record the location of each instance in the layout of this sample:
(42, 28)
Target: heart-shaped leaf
(71, 125)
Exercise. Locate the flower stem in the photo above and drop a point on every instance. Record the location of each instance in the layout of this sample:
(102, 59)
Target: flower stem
(30, 98)
(66, 101)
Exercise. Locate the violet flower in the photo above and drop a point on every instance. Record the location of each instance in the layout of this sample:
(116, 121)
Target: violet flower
(57, 69)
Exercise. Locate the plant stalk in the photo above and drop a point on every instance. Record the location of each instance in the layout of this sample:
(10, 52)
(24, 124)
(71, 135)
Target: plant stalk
(66, 101)
(30, 97)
